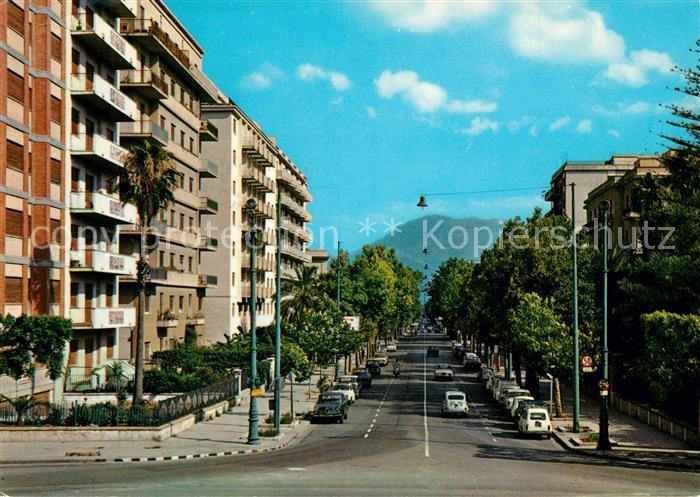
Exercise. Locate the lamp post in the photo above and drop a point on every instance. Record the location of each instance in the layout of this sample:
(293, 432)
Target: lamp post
(278, 313)
(577, 424)
(337, 303)
(253, 439)
(603, 435)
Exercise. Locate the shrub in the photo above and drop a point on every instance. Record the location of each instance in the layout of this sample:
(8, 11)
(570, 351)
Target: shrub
(268, 432)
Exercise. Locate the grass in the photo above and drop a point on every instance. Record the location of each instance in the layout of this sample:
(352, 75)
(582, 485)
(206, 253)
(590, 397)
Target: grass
(589, 438)
(268, 432)
(285, 419)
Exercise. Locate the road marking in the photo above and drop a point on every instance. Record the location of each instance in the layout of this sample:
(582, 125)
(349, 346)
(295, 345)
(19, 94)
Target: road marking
(297, 469)
(425, 403)
(366, 435)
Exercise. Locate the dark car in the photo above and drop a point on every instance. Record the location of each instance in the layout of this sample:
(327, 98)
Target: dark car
(331, 405)
(472, 362)
(363, 376)
(433, 351)
(459, 352)
(374, 369)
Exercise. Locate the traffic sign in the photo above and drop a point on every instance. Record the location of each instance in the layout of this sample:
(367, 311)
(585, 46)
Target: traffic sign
(587, 364)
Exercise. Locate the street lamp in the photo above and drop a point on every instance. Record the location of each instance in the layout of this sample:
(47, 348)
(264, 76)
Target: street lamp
(253, 439)
(278, 313)
(421, 202)
(603, 435)
(577, 423)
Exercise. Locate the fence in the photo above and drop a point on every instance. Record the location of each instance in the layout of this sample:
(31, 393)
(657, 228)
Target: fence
(94, 382)
(108, 414)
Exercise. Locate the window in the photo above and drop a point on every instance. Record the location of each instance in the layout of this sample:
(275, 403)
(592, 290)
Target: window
(171, 300)
(191, 145)
(182, 262)
(56, 110)
(189, 302)
(162, 122)
(172, 132)
(182, 221)
(182, 303)
(147, 350)
(182, 139)
(191, 225)
(172, 87)
(189, 264)
(56, 47)
(14, 222)
(55, 292)
(15, 86)
(13, 290)
(172, 217)
(110, 346)
(75, 121)
(172, 260)
(149, 303)
(15, 17)
(191, 185)
(161, 259)
(15, 155)
(233, 187)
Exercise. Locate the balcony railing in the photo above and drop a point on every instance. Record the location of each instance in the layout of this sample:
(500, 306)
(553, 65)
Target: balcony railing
(144, 129)
(256, 150)
(294, 206)
(208, 243)
(144, 81)
(102, 317)
(258, 179)
(97, 149)
(296, 253)
(208, 169)
(101, 205)
(286, 177)
(207, 204)
(129, 27)
(208, 280)
(102, 262)
(104, 42)
(207, 131)
(101, 95)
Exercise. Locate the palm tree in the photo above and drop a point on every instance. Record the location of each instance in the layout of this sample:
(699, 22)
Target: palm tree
(147, 181)
(300, 293)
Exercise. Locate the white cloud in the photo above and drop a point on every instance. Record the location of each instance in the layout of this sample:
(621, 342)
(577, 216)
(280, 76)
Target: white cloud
(371, 112)
(309, 72)
(614, 133)
(639, 107)
(480, 125)
(471, 106)
(559, 123)
(430, 15)
(584, 126)
(263, 78)
(424, 96)
(337, 101)
(635, 71)
(560, 33)
(534, 130)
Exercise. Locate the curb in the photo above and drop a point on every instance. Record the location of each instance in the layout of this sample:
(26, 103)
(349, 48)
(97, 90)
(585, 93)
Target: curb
(612, 455)
(203, 455)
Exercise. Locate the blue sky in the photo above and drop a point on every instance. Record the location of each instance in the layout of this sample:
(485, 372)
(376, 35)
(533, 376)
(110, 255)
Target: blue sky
(378, 102)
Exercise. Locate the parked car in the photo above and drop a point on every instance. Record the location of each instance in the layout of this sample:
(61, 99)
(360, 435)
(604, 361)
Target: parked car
(511, 393)
(391, 347)
(454, 403)
(347, 389)
(363, 376)
(535, 421)
(433, 351)
(515, 403)
(348, 378)
(524, 404)
(500, 384)
(374, 368)
(503, 395)
(471, 362)
(460, 351)
(381, 358)
(443, 372)
(485, 373)
(331, 405)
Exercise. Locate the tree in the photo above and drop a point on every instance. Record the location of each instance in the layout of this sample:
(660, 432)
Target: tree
(147, 180)
(300, 293)
(446, 291)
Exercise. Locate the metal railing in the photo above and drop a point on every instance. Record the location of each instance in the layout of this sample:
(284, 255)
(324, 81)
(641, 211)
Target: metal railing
(189, 402)
(149, 26)
(144, 76)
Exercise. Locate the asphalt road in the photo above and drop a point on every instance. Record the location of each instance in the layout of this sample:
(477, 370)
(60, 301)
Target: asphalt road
(395, 442)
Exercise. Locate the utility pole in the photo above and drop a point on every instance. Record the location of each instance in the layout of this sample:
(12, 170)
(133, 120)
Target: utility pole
(603, 435)
(577, 424)
(337, 270)
(253, 439)
(278, 321)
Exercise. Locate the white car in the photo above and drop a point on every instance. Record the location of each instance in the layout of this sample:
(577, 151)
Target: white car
(508, 389)
(444, 372)
(391, 347)
(382, 358)
(535, 421)
(510, 394)
(500, 384)
(515, 403)
(346, 389)
(351, 378)
(491, 381)
(454, 403)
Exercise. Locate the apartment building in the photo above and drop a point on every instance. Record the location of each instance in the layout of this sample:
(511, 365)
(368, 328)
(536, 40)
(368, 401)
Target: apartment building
(249, 165)
(586, 175)
(34, 100)
(168, 89)
(319, 260)
(618, 190)
(294, 196)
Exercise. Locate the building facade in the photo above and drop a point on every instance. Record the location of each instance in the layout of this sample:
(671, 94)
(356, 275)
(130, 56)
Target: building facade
(319, 260)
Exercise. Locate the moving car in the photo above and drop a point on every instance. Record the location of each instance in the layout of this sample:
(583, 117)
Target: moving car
(471, 362)
(433, 351)
(391, 347)
(382, 358)
(454, 403)
(347, 389)
(347, 378)
(331, 405)
(515, 403)
(535, 421)
(363, 376)
(460, 351)
(374, 368)
(443, 372)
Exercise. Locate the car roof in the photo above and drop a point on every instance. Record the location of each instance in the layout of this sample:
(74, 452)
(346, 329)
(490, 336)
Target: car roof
(443, 366)
(455, 392)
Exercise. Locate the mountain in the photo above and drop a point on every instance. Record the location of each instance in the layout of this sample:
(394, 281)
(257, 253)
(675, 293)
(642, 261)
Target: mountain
(444, 237)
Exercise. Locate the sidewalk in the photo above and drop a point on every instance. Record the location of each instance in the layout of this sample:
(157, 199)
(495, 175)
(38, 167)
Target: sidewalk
(632, 440)
(224, 435)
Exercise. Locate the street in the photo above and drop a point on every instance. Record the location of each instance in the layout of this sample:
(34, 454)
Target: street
(395, 442)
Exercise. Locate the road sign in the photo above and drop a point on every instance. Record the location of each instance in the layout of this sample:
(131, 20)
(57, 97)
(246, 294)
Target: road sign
(587, 364)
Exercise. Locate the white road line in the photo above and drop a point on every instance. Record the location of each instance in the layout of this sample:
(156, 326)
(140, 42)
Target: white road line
(366, 435)
(425, 403)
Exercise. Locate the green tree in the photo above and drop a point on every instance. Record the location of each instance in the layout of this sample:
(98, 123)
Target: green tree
(147, 180)
(300, 293)
(446, 292)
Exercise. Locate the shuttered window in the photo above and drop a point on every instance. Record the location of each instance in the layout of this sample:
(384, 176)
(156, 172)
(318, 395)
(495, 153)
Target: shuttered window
(55, 171)
(14, 222)
(56, 231)
(15, 86)
(15, 155)
(15, 17)
(56, 110)
(13, 290)
(55, 292)
(56, 47)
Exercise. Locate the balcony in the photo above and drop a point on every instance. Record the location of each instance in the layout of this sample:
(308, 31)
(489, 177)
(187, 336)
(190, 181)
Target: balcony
(97, 149)
(295, 253)
(89, 260)
(208, 205)
(208, 280)
(208, 244)
(141, 130)
(261, 263)
(288, 179)
(157, 228)
(294, 206)
(167, 319)
(267, 237)
(169, 277)
(101, 96)
(257, 179)
(103, 41)
(102, 317)
(102, 206)
(256, 149)
(262, 209)
(207, 131)
(120, 8)
(260, 292)
(148, 34)
(144, 82)
(208, 169)
(196, 319)
(296, 230)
